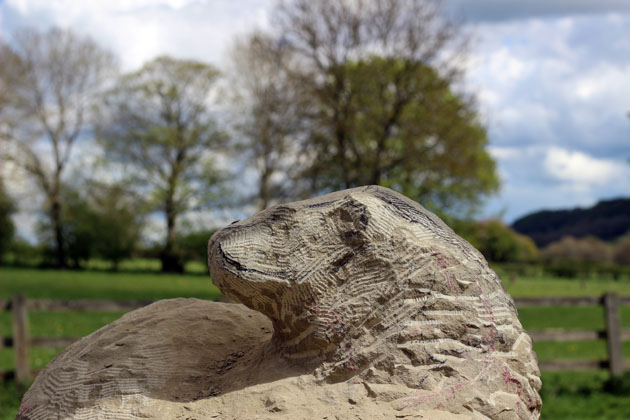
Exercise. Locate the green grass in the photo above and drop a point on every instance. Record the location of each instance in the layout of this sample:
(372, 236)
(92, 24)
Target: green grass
(570, 318)
(49, 324)
(567, 317)
(580, 396)
(135, 264)
(573, 395)
(39, 357)
(60, 323)
(137, 280)
(578, 350)
(60, 284)
(143, 264)
(52, 324)
(556, 286)
(10, 397)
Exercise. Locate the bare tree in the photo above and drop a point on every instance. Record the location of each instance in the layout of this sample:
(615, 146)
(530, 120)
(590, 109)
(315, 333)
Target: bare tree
(328, 33)
(50, 78)
(266, 108)
(372, 83)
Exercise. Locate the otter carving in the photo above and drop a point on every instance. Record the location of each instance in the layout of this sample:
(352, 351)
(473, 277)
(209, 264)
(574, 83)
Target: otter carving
(361, 304)
(384, 293)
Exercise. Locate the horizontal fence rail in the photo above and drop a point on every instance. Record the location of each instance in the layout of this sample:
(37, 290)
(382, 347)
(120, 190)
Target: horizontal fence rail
(613, 334)
(78, 305)
(574, 335)
(568, 301)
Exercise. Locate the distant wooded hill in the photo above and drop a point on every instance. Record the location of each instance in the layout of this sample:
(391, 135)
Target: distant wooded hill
(607, 220)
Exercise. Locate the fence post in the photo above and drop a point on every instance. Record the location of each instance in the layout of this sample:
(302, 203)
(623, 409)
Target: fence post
(613, 333)
(20, 339)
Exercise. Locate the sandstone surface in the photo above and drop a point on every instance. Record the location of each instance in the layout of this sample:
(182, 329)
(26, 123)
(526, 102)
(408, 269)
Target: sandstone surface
(359, 304)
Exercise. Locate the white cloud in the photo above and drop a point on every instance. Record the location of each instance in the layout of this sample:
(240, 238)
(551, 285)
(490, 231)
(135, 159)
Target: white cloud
(602, 84)
(506, 67)
(140, 30)
(561, 82)
(504, 153)
(582, 170)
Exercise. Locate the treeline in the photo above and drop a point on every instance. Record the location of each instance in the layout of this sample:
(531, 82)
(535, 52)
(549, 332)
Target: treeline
(567, 257)
(573, 257)
(339, 93)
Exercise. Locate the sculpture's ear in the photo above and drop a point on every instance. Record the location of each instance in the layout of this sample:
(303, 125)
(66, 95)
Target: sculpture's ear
(351, 219)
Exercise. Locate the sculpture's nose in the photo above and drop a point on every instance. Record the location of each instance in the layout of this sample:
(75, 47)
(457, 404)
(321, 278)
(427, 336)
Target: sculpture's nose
(212, 248)
(217, 259)
(224, 245)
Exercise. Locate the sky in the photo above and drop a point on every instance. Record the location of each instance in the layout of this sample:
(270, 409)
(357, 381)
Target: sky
(552, 78)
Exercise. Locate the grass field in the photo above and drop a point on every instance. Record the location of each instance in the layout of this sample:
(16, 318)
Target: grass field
(555, 286)
(56, 284)
(569, 395)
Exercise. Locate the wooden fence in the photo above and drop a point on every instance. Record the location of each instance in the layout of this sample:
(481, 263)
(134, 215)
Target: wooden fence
(21, 341)
(613, 333)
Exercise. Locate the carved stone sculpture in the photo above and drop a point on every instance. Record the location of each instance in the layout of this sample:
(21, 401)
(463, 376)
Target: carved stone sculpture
(378, 310)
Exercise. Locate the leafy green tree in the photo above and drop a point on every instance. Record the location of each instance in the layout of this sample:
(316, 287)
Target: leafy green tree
(103, 221)
(194, 245)
(400, 126)
(588, 249)
(622, 250)
(76, 220)
(497, 242)
(118, 218)
(49, 82)
(24, 253)
(157, 122)
(7, 229)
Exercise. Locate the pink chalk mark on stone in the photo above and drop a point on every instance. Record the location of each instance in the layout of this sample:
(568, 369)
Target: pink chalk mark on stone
(451, 281)
(24, 408)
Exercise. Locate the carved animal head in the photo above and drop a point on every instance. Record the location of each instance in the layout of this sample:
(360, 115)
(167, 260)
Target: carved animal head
(323, 268)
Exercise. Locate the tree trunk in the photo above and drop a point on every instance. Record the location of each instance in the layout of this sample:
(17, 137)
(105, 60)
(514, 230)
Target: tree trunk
(55, 215)
(265, 195)
(339, 120)
(375, 179)
(170, 260)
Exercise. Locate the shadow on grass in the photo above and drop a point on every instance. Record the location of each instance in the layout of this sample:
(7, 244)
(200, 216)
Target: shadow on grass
(10, 396)
(585, 395)
(619, 385)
